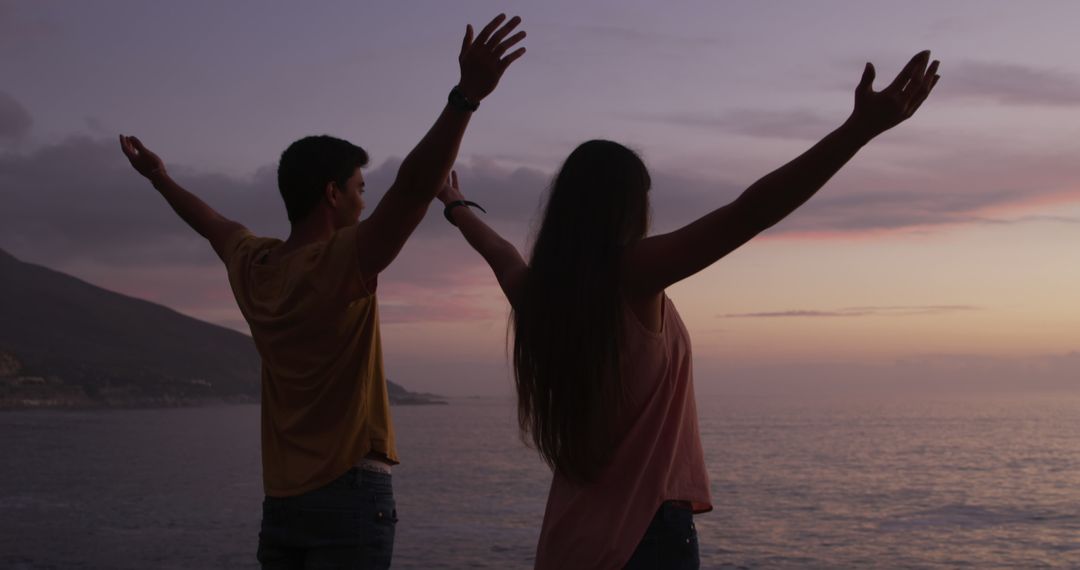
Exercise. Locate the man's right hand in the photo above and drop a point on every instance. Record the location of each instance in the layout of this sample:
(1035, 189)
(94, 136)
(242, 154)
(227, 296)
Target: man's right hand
(142, 159)
(482, 59)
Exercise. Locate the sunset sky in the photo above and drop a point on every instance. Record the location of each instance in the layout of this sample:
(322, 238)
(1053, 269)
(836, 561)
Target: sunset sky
(947, 253)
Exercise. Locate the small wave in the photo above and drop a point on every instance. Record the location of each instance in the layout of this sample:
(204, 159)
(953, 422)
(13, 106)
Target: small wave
(15, 502)
(961, 516)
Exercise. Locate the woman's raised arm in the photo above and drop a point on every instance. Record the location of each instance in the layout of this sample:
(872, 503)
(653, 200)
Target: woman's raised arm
(656, 262)
(500, 255)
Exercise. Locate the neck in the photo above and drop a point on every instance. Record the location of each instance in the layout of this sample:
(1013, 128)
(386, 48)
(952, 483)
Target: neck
(310, 230)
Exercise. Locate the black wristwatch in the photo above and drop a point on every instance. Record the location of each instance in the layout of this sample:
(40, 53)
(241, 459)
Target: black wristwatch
(459, 101)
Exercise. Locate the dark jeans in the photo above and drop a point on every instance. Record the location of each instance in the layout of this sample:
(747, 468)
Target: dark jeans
(349, 523)
(670, 541)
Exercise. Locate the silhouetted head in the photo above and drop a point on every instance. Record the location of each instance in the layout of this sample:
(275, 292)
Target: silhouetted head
(322, 172)
(568, 320)
(602, 189)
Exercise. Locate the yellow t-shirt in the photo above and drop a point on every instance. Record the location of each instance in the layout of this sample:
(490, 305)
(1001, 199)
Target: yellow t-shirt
(315, 323)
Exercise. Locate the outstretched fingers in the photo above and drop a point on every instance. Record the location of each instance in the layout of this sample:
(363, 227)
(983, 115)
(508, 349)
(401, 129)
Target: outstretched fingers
(914, 68)
(506, 61)
(866, 84)
(466, 42)
(485, 59)
(926, 85)
(485, 33)
(131, 148)
(504, 31)
(931, 72)
(502, 47)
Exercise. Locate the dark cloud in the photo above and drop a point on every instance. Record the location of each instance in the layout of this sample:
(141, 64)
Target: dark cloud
(1009, 83)
(886, 311)
(973, 184)
(871, 210)
(79, 207)
(789, 124)
(995, 82)
(511, 196)
(80, 199)
(15, 120)
(79, 202)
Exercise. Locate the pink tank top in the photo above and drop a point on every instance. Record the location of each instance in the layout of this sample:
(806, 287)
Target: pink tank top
(659, 457)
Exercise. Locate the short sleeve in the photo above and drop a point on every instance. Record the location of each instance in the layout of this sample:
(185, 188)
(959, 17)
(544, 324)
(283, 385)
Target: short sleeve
(233, 243)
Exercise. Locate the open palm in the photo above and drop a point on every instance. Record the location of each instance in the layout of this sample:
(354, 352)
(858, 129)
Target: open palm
(878, 111)
(484, 59)
(141, 158)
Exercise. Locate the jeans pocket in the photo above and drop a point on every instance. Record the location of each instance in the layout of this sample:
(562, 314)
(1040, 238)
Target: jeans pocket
(385, 508)
(379, 529)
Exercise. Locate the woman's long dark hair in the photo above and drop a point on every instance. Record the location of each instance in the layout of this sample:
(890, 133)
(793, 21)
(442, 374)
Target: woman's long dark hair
(568, 319)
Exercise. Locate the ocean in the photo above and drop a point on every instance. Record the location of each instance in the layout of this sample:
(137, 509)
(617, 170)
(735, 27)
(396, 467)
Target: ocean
(950, 482)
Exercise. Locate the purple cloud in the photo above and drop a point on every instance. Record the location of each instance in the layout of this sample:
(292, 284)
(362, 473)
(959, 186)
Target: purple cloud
(15, 120)
(786, 124)
(77, 206)
(882, 311)
(1010, 84)
(79, 199)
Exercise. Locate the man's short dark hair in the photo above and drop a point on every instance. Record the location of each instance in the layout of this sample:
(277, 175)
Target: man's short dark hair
(308, 164)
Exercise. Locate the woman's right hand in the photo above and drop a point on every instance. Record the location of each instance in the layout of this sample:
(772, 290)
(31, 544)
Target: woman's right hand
(450, 192)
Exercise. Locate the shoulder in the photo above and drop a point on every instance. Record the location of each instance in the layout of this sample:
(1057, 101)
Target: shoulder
(229, 241)
(240, 247)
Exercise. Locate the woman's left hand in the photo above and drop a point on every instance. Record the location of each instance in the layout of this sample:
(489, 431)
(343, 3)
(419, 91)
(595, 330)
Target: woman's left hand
(450, 192)
(878, 111)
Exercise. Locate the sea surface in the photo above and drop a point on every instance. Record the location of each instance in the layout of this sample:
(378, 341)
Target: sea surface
(978, 482)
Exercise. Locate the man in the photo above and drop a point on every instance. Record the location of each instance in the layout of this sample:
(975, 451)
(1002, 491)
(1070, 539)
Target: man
(327, 436)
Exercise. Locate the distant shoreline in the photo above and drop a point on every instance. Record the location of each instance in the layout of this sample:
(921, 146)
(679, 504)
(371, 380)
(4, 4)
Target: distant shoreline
(86, 404)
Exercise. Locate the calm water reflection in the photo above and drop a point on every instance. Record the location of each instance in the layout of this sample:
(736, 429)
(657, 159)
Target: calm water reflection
(992, 482)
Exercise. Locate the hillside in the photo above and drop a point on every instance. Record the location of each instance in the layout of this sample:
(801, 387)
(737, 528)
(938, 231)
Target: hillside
(66, 343)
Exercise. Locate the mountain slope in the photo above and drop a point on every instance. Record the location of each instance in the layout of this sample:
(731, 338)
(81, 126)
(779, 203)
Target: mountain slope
(65, 342)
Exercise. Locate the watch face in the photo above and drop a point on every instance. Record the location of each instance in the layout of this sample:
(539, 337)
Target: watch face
(457, 99)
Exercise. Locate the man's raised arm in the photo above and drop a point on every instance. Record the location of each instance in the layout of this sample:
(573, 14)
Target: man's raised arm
(421, 175)
(201, 217)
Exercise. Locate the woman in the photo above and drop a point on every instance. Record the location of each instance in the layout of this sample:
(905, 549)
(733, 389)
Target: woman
(602, 361)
